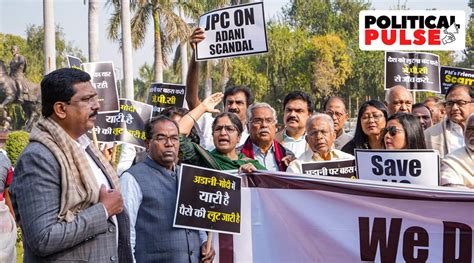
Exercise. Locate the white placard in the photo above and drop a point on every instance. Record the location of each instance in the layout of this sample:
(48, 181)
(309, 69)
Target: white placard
(402, 166)
(233, 31)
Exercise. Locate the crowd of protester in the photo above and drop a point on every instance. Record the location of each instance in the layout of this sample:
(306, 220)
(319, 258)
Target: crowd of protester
(73, 206)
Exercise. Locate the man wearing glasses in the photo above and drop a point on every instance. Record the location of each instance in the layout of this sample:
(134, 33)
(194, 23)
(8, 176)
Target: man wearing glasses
(447, 135)
(336, 108)
(261, 144)
(65, 194)
(150, 190)
(320, 135)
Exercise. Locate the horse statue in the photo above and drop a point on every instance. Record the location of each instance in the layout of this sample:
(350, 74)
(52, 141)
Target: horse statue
(9, 93)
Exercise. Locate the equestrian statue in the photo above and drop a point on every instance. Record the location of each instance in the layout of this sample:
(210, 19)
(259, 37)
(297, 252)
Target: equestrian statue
(16, 88)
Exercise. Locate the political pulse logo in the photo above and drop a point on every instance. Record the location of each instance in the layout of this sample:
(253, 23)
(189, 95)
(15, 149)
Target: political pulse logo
(412, 30)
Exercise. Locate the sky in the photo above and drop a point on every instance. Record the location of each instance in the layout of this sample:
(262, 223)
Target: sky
(71, 15)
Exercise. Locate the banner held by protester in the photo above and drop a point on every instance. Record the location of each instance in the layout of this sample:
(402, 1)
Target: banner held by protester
(414, 71)
(103, 79)
(208, 200)
(450, 76)
(300, 219)
(402, 166)
(233, 31)
(163, 95)
(126, 126)
(338, 168)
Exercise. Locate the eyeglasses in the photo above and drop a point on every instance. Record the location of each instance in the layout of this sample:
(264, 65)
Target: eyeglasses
(164, 139)
(332, 113)
(89, 100)
(314, 133)
(376, 117)
(228, 128)
(260, 121)
(460, 103)
(392, 130)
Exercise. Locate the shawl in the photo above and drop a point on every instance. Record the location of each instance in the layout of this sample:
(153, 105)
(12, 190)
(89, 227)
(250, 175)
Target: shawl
(280, 152)
(79, 187)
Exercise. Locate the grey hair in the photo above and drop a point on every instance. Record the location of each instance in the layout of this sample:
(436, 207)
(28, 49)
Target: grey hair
(320, 116)
(388, 93)
(259, 105)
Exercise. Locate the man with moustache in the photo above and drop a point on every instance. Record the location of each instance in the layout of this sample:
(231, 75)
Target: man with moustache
(398, 99)
(437, 109)
(261, 144)
(423, 114)
(236, 99)
(297, 107)
(336, 108)
(64, 192)
(447, 136)
(320, 135)
(457, 168)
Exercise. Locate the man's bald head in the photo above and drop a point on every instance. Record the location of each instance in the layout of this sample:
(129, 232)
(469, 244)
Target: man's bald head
(398, 99)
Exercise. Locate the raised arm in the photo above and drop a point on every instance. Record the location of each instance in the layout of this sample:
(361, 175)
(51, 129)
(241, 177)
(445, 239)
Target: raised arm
(207, 105)
(192, 79)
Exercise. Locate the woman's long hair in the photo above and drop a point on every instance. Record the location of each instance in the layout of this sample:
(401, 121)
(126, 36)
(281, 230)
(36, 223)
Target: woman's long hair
(415, 138)
(361, 140)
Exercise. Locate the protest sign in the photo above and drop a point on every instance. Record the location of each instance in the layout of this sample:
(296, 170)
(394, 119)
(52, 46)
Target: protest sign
(403, 166)
(451, 76)
(414, 71)
(103, 80)
(128, 125)
(208, 200)
(328, 219)
(233, 31)
(162, 95)
(74, 62)
(339, 168)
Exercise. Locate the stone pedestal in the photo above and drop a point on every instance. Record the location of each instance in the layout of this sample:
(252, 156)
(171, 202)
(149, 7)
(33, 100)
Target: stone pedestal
(3, 138)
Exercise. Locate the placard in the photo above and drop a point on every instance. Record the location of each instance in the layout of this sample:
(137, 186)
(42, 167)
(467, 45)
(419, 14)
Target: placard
(402, 166)
(103, 80)
(163, 95)
(414, 71)
(338, 168)
(128, 125)
(233, 31)
(208, 200)
(74, 62)
(451, 76)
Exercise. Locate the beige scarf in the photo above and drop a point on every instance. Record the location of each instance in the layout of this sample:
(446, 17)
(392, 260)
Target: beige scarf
(79, 187)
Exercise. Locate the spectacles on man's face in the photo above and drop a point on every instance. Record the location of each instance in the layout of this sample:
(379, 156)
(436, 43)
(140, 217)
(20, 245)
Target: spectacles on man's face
(174, 139)
(460, 103)
(87, 99)
(314, 133)
(376, 117)
(392, 130)
(228, 128)
(332, 113)
(260, 121)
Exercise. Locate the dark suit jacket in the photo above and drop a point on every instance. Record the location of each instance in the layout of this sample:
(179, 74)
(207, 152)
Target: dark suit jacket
(36, 198)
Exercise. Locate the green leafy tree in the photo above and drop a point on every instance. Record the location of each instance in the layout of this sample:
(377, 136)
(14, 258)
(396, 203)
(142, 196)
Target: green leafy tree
(15, 143)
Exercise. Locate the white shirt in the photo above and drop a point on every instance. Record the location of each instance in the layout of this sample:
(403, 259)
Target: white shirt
(204, 126)
(457, 141)
(83, 142)
(132, 199)
(298, 146)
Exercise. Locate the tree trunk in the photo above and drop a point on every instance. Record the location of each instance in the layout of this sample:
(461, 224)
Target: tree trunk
(184, 52)
(127, 50)
(93, 30)
(158, 64)
(49, 37)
